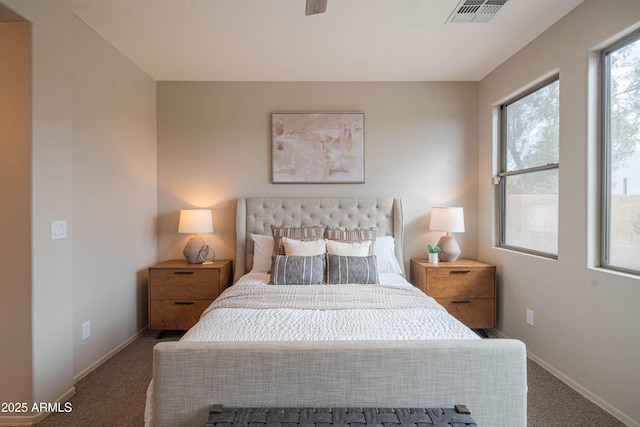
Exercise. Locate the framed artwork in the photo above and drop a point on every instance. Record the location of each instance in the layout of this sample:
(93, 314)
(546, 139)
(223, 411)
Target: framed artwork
(317, 148)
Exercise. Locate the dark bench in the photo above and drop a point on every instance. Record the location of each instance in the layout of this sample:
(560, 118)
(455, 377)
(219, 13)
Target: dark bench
(220, 416)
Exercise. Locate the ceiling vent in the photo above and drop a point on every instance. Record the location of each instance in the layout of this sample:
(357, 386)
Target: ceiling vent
(476, 10)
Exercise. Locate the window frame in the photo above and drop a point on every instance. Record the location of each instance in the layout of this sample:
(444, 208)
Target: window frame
(502, 162)
(605, 153)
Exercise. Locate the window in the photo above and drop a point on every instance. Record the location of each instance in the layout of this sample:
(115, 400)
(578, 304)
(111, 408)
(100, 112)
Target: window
(621, 155)
(529, 145)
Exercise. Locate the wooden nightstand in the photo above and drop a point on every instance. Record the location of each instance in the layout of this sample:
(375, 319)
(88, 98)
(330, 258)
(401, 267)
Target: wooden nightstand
(179, 292)
(466, 288)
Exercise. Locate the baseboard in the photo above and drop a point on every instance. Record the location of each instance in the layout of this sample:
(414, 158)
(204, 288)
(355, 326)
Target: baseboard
(80, 375)
(589, 395)
(23, 420)
(29, 420)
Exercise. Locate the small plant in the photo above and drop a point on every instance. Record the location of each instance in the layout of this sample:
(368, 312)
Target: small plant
(433, 249)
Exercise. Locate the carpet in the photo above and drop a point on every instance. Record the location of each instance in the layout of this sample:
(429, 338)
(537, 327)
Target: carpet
(114, 395)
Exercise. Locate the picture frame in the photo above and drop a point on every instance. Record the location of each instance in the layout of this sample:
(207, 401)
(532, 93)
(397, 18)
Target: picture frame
(317, 148)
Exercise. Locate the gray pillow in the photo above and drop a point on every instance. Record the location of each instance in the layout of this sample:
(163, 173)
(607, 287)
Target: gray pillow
(297, 270)
(351, 269)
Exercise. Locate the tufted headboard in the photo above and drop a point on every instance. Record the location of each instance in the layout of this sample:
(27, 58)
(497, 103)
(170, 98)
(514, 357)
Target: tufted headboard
(255, 215)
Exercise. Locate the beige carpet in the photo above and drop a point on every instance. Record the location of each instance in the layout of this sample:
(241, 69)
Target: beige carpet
(114, 395)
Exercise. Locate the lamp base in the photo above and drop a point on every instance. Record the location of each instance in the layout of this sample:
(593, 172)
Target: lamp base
(450, 250)
(192, 249)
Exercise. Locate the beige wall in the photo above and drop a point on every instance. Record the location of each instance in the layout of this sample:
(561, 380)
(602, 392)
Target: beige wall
(15, 215)
(214, 145)
(114, 196)
(92, 163)
(585, 319)
(51, 167)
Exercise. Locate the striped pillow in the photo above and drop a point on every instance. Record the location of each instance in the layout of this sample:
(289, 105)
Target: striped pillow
(352, 269)
(297, 270)
(304, 232)
(352, 235)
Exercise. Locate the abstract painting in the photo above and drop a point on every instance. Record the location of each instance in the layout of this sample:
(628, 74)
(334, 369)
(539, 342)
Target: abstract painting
(317, 147)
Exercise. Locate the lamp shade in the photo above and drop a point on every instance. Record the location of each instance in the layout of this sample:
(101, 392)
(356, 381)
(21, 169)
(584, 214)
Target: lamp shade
(195, 221)
(448, 219)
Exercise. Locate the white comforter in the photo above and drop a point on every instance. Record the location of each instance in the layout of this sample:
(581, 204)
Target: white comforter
(393, 310)
(251, 310)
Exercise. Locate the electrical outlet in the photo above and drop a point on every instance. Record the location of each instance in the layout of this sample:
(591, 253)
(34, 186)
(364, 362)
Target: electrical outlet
(86, 330)
(529, 317)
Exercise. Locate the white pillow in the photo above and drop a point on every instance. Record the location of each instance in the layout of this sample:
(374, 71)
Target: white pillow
(293, 247)
(262, 251)
(384, 250)
(348, 249)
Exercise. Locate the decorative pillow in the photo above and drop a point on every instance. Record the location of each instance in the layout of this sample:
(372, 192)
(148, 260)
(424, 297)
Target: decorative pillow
(297, 270)
(348, 249)
(351, 269)
(352, 235)
(262, 251)
(384, 249)
(304, 232)
(303, 248)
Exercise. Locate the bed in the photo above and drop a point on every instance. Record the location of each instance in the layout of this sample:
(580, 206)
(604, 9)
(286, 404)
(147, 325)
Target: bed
(262, 345)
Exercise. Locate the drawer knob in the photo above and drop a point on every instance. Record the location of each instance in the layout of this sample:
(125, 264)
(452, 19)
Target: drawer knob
(184, 303)
(461, 302)
(183, 272)
(459, 271)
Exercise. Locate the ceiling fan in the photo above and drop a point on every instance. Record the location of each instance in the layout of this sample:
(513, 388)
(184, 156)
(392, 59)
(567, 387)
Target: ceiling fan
(315, 6)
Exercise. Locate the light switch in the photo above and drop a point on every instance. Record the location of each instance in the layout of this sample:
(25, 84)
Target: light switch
(58, 230)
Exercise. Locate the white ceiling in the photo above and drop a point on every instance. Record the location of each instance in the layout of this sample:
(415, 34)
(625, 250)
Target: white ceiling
(355, 40)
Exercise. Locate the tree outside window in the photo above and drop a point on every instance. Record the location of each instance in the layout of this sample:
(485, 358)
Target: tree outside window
(529, 177)
(621, 155)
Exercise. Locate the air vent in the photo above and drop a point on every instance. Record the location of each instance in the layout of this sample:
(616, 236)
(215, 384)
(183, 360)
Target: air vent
(476, 10)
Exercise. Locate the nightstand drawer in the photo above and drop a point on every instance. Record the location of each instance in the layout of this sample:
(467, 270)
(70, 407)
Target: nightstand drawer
(466, 288)
(176, 314)
(475, 313)
(461, 282)
(179, 292)
(184, 277)
(181, 284)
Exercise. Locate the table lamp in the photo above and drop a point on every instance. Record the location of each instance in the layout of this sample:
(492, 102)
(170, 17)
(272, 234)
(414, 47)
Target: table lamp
(195, 221)
(449, 220)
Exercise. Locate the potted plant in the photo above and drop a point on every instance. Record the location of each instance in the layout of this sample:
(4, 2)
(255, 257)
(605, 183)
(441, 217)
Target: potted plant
(433, 253)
